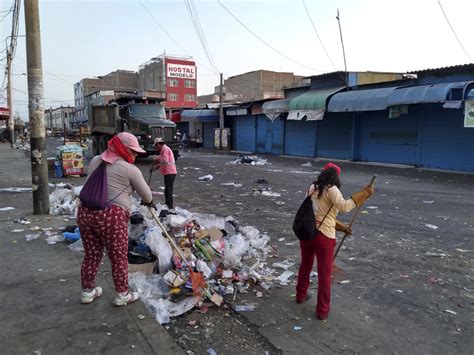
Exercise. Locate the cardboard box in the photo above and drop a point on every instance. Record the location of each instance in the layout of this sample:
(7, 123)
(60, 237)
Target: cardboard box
(146, 268)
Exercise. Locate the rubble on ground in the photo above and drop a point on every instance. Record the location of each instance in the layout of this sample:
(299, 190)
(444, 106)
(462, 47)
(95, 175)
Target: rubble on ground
(250, 159)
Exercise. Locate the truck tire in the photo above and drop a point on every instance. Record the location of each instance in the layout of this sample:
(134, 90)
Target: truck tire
(95, 145)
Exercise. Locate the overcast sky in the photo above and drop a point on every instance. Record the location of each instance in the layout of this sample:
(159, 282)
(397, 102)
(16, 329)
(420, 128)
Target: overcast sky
(89, 38)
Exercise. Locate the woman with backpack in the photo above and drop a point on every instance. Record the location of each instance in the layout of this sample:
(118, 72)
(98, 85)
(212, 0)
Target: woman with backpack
(104, 212)
(327, 202)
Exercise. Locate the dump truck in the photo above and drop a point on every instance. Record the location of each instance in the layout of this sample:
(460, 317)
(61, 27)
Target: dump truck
(144, 117)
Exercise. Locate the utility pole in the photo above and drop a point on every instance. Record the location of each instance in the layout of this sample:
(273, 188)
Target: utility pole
(39, 167)
(343, 50)
(11, 125)
(221, 109)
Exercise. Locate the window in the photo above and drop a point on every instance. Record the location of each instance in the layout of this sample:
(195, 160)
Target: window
(173, 83)
(172, 96)
(189, 83)
(189, 97)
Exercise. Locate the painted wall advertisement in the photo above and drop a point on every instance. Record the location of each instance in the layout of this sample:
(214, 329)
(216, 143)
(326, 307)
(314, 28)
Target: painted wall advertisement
(180, 71)
(469, 113)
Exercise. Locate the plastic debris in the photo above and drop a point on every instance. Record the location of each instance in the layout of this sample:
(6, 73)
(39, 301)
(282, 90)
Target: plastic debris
(55, 239)
(72, 236)
(432, 226)
(231, 184)
(211, 351)
(206, 178)
(17, 230)
(428, 202)
(344, 282)
(16, 189)
(283, 279)
(297, 327)
(285, 264)
(371, 207)
(76, 246)
(160, 247)
(30, 237)
(7, 208)
(450, 311)
(250, 159)
(267, 191)
(308, 164)
(247, 307)
(164, 309)
(438, 255)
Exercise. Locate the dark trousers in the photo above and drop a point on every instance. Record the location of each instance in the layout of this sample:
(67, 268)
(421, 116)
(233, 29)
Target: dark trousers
(323, 248)
(169, 180)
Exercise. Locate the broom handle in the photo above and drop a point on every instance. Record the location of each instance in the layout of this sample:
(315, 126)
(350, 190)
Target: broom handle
(372, 181)
(173, 243)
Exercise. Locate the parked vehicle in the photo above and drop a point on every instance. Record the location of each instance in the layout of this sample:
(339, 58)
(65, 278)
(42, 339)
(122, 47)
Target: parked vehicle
(142, 116)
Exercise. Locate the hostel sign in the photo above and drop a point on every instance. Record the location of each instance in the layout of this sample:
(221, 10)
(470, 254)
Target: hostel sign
(180, 71)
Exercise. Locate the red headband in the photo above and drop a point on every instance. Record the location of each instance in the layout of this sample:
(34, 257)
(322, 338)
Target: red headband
(332, 165)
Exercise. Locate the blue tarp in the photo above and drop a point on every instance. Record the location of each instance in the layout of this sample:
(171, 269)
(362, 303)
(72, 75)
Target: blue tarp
(430, 93)
(360, 100)
(205, 115)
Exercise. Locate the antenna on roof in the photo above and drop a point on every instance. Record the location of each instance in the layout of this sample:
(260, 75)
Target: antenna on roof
(343, 50)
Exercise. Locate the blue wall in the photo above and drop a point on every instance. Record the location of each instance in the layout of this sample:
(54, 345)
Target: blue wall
(208, 134)
(335, 136)
(300, 138)
(245, 133)
(269, 135)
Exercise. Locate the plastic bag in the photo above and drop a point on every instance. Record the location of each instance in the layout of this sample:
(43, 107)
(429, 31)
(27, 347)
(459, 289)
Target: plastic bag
(236, 247)
(164, 310)
(76, 246)
(160, 247)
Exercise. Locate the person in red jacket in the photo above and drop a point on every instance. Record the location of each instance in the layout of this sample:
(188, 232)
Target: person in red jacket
(166, 164)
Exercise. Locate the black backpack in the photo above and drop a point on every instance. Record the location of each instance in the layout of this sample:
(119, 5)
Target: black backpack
(304, 225)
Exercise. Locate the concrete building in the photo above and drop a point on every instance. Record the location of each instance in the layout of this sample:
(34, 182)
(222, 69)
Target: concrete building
(120, 80)
(171, 77)
(254, 85)
(59, 116)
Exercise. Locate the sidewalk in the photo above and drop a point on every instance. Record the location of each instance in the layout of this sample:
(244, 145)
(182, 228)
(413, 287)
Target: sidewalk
(40, 288)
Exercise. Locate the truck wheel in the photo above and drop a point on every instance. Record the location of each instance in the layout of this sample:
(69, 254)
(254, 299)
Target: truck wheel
(102, 144)
(95, 145)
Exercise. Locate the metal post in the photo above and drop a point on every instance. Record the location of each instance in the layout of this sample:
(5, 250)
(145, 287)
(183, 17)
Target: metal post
(39, 167)
(343, 50)
(11, 125)
(221, 109)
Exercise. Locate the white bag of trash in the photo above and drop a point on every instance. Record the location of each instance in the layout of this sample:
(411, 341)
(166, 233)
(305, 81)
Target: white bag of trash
(235, 248)
(160, 247)
(164, 309)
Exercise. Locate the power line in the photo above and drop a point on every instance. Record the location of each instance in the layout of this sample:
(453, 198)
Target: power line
(263, 41)
(454, 32)
(191, 7)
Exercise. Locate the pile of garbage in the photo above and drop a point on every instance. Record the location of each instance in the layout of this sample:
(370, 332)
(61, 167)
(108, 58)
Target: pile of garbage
(217, 257)
(250, 159)
(22, 145)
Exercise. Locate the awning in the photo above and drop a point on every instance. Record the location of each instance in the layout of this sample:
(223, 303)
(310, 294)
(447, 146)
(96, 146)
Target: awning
(206, 115)
(236, 111)
(311, 104)
(273, 109)
(360, 100)
(443, 92)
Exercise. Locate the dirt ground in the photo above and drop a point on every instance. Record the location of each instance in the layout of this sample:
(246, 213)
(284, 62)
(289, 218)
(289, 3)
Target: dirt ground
(406, 284)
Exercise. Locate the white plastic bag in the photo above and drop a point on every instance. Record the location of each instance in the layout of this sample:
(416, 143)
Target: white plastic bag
(160, 247)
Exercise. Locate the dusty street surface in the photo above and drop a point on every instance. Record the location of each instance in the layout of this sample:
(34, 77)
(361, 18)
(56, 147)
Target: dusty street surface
(407, 280)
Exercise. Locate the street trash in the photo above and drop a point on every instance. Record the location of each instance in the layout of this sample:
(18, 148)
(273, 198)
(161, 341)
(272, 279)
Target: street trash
(285, 264)
(247, 307)
(164, 310)
(72, 236)
(17, 230)
(208, 177)
(438, 255)
(450, 311)
(55, 239)
(16, 189)
(267, 191)
(250, 159)
(30, 237)
(344, 282)
(262, 181)
(297, 327)
(308, 164)
(64, 200)
(432, 226)
(211, 351)
(76, 246)
(160, 248)
(284, 278)
(371, 207)
(7, 208)
(428, 202)
(231, 184)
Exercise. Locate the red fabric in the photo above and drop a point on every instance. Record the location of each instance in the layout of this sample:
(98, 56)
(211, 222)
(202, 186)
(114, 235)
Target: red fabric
(323, 248)
(107, 229)
(332, 165)
(116, 146)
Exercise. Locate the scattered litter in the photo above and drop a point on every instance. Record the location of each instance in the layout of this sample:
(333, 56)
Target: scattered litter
(231, 184)
(30, 237)
(364, 212)
(307, 164)
(22, 221)
(250, 159)
(405, 276)
(18, 230)
(35, 228)
(16, 189)
(7, 208)
(457, 249)
(429, 202)
(372, 207)
(141, 316)
(450, 311)
(281, 239)
(248, 307)
(399, 291)
(262, 181)
(259, 294)
(439, 255)
(267, 191)
(344, 282)
(76, 246)
(432, 226)
(285, 264)
(211, 351)
(283, 279)
(62, 280)
(206, 178)
(297, 327)
(290, 243)
(55, 239)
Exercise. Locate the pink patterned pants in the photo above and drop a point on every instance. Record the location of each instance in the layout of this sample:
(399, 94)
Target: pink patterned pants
(107, 229)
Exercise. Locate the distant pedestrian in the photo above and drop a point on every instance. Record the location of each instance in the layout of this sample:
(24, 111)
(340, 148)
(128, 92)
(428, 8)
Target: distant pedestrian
(178, 136)
(198, 139)
(326, 196)
(166, 164)
(108, 227)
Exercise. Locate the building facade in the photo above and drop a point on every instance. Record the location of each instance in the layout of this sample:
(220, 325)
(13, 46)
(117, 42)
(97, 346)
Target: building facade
(172, 77)
(59, 117)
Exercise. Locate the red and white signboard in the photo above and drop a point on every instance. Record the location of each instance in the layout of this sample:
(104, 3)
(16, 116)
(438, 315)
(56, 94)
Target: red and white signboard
(180, 71)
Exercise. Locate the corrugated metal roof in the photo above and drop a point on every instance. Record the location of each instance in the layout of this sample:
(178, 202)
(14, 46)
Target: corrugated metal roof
(276, 105)
(360, 100)
(205, 115)
(312, 100)
(428, 93)
(453, 68)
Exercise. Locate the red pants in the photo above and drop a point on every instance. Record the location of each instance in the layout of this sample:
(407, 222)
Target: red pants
(107, 229)
(323, 248)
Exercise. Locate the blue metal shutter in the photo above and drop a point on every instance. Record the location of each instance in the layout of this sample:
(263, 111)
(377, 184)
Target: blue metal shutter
(208, 134)
(269, 135)
(245, 133)
(385, 140)
(446, 143)
(300, 138)
(335, 136)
